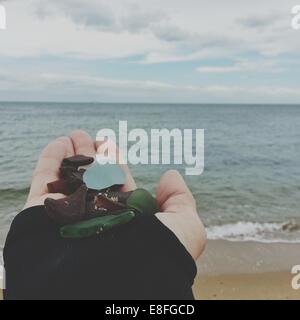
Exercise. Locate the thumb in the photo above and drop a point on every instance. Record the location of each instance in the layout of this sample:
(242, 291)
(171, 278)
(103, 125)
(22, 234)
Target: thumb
(172, 193)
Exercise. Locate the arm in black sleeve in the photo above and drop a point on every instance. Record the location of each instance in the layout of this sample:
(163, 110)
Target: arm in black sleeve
(140, 260)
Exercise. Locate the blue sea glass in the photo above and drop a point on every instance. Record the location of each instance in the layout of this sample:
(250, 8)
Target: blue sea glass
(103, 176)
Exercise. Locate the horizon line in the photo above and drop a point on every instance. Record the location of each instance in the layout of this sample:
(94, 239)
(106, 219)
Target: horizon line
(152, 103)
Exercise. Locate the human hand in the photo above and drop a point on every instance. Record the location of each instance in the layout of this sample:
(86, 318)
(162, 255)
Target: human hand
(179, 212)
(177, 205)
(47, 169)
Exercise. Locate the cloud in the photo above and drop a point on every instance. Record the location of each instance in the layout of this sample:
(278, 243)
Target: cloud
(170, 33)
(90, 13)
(73, 82)
(102, 15)
(138, 20)
(212, 69)
(169, 57)
(109, 41)
(158, 29)
(244, 66)
(57, 35)
(132, 18)
(86, 87)
(261, 21)
(100, 83)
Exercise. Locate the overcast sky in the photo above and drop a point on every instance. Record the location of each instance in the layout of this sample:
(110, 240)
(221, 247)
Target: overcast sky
(150, 51)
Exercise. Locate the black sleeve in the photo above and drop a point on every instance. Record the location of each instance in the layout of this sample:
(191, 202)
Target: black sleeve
(140, 260)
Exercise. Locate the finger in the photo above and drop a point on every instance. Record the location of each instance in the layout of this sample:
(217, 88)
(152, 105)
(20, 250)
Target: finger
(83, 143)
(47, 169)
(172, 192)
(116, 153)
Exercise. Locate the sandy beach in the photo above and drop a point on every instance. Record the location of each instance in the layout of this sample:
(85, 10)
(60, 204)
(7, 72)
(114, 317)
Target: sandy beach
(256, 286)
(248, 270)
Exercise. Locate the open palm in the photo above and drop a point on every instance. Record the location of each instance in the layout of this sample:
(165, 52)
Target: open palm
(177, 205)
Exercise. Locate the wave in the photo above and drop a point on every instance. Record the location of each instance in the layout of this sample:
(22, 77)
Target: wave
(11, 192)
(287, 232)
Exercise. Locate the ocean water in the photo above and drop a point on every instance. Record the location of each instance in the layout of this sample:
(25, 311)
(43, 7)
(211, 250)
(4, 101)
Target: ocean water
(250, 187)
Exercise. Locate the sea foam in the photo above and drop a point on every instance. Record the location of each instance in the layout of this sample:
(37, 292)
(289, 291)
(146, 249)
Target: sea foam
(287, 232)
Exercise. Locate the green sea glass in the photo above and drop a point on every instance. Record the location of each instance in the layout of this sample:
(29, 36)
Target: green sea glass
(142, 201)
(95, 226)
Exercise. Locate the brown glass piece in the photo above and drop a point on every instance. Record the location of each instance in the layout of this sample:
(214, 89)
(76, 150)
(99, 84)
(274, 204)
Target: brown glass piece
(81, 203)
(58, 186)
(66, 171)
(100, 205)
(77, 161)
(103, 202)
(70, 179)
(117, 196)
(68, 210)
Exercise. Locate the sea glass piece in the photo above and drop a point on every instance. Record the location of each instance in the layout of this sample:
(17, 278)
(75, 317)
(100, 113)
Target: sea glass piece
(118, 196)
(95, 226)
(101, 205)
(68, 210)
(103, 176)
(58, 186)
(77, 161)
(66, 171)
(142, 201)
